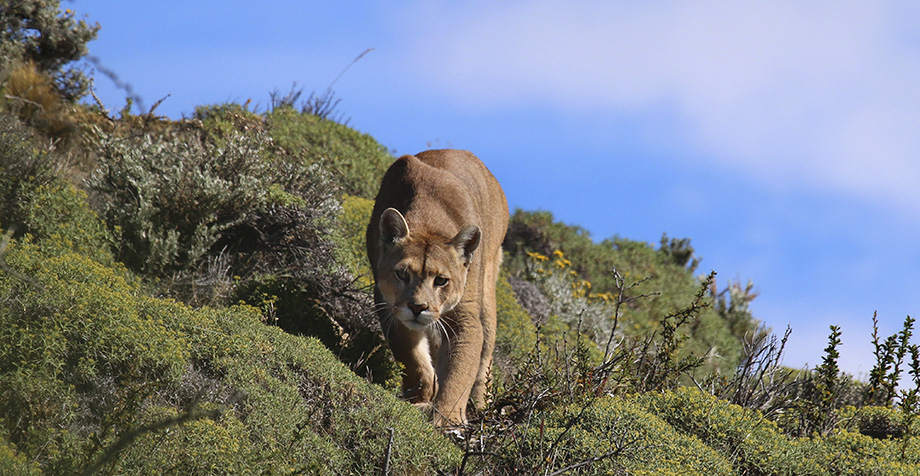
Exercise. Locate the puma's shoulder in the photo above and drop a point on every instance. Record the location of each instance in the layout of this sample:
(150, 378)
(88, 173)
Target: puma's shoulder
(453, 180)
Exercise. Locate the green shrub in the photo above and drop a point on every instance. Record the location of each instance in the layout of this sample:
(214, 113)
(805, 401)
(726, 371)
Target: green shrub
(356, 214)
(851, 453)
(221, 215)
(578, 315)
(222, 121)
(304, 409)
(358, 161)
(14, 463)
(876, 422)
(201, 446)
(171, 198)
(569, 297)
(341, 318)
(36, 200)
(516, 333)
(663, 279)
(80, 354)
(886, 375)
(38, 31)
(60, 217)
(24, 166)
(89, 363)
(756, 445)
(597, 434)
(621, 436)
(193, 212)
(558, 364)
(750, 442)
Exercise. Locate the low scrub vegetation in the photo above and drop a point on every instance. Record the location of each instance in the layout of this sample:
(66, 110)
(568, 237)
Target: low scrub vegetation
(96, 376)
(193, 297)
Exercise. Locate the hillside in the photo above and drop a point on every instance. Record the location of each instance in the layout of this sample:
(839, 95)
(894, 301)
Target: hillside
(192, 297)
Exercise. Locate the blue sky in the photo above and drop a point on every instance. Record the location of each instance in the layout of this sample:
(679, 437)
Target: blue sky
(783, 137)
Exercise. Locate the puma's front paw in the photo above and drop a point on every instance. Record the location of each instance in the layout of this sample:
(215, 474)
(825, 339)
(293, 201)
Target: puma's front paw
(426, 408)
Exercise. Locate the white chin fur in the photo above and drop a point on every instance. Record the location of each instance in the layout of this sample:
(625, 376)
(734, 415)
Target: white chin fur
(420, 323)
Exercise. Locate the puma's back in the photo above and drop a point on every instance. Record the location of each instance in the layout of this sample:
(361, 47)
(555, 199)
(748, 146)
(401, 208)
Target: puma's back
(434, 244)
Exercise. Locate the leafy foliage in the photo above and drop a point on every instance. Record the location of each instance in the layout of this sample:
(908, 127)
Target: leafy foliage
(357, 160)
(612, 357)
(172, 199)
(356, 214)
(611, 436)
(220, 214)
(37, 31)
(88, 361)
(664, 276)
(889, 357)
(516, 333)
(35, 198)
(755, 445)
(24, 167)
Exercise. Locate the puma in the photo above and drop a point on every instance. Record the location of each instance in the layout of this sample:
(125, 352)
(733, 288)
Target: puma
(434, 245)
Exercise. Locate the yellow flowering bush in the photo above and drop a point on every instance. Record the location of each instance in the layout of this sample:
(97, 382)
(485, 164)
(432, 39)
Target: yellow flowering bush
(570, 298)
(664, 277)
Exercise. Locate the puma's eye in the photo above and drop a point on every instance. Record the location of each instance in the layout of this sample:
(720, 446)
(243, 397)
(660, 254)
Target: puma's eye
(402, 275)
(440, 281)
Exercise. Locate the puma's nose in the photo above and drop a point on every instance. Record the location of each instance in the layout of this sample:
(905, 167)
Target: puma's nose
(417, 308)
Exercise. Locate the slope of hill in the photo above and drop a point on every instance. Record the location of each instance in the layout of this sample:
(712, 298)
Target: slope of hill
(192, 297)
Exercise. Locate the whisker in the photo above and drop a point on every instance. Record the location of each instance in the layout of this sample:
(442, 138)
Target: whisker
(448, 327)
(385, 316)
(444, 329)
(390, 318)
(385, 323)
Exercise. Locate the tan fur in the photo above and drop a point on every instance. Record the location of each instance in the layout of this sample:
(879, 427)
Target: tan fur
(434, 244)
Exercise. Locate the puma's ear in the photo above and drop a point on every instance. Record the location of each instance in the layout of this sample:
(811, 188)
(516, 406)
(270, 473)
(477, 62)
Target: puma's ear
(466, 242)
(393, 226)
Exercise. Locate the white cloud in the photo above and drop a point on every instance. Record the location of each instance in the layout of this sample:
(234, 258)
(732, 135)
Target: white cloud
(820, 94)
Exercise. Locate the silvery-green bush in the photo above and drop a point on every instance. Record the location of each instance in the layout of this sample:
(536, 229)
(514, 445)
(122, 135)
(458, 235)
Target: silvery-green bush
(180, 203)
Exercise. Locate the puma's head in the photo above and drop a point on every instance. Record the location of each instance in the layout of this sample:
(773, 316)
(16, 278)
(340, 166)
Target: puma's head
(422, 277)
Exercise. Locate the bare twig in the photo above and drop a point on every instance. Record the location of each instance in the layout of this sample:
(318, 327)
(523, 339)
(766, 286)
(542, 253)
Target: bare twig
(129, 91)
(619, 449)
(24, 100)
(157, 104)
(386, 462)
(357, 58)
(621, 288)
(99, 104)
(585, 462)
(11, 271)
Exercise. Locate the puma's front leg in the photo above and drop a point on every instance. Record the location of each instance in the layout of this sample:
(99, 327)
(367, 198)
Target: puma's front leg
(412, 350)
(419, 383)
(488, 320)
(457, 372)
